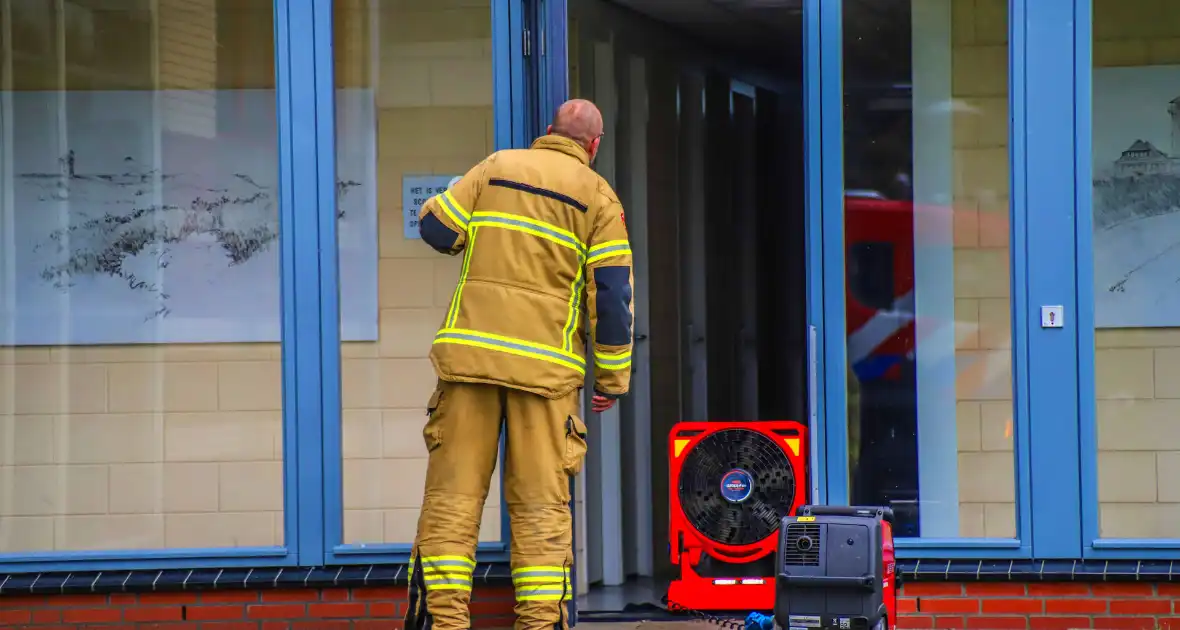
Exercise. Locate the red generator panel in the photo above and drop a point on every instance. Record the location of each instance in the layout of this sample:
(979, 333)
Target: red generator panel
(732, 483)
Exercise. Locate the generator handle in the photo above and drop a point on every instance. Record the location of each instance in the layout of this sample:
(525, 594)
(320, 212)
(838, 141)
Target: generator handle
(830, 581)
(885, 513)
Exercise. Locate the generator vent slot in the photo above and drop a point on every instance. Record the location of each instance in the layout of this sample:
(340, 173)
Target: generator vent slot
(802, 546)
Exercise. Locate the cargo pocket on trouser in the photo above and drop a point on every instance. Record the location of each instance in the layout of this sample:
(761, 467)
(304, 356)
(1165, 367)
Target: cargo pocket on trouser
(432, 433)
(575, 445)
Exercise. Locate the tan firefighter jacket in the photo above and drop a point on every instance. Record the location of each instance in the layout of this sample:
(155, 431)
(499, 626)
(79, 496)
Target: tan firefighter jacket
(544, 244)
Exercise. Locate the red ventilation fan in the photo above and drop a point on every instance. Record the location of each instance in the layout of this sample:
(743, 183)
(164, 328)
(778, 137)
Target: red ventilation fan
(732, 483)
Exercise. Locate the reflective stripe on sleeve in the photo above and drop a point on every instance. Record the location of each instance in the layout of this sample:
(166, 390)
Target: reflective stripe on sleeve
(618, 361)
(453, 209)
(609, 249)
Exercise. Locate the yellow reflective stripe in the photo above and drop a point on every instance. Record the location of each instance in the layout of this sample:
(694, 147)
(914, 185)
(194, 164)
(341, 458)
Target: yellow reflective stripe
(548, 597)
(453, 212)
(458, 207)
(540, 580)
(575, 305)
(447, 587)
(541, 589)
(612, 361)
(542, 583)
(535, 223)
(447, 572)
(455, 563)
(447, 578)
(609, 252)
(509, 345)
(539, 569)
(608, 245)
(530, 226)
(453, 314)
(542, 575)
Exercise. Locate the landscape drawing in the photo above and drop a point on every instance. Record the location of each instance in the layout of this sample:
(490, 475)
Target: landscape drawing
(134, 223)
(1136, 135)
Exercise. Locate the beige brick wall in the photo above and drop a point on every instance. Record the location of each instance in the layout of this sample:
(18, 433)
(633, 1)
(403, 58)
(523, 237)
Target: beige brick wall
(180, 446)
(140, 447)
(1138, 370)
(434, 99)
(983, 354)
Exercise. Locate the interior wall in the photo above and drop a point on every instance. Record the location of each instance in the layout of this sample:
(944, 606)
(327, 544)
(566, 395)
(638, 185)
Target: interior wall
(665, 276)
(721, 339)
(782, 258)
(746, 253)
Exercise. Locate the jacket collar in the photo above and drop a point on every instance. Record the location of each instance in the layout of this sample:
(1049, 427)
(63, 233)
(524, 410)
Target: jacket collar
(561, 144)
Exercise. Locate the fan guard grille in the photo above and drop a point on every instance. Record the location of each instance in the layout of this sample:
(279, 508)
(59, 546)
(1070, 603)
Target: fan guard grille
(750, 458)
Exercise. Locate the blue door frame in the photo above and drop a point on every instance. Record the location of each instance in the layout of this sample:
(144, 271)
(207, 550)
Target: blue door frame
(824, 223)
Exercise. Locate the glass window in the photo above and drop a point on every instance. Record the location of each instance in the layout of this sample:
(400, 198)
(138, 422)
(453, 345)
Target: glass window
(1136, 205)
(414, 109)
(140, 376)
(927, 259)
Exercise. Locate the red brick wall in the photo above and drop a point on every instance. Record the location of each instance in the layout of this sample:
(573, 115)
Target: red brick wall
(975, 606)
(305, 609)
(1041, 606)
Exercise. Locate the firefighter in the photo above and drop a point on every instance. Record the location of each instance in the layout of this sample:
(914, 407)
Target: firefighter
(544, 246)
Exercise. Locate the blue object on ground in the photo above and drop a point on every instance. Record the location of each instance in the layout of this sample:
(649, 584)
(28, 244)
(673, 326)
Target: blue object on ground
(759, 621)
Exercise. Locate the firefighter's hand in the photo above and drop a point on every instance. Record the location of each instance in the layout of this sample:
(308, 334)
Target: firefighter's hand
(600, 403)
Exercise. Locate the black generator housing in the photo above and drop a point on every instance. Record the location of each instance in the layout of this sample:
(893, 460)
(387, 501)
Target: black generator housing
(835, 569)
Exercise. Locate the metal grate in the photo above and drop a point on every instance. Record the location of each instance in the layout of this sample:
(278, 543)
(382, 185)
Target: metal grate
(802, 546)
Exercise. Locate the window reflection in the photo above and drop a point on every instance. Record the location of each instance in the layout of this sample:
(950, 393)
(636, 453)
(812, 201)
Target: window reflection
(927, 259)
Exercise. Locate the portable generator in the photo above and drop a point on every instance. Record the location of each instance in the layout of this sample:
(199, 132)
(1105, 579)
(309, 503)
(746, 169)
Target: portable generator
(836, 569)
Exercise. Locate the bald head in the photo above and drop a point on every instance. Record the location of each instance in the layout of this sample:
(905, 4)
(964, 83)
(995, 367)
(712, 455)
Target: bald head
(579, 120)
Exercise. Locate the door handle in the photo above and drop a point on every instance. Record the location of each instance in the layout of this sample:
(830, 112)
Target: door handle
(640, 337)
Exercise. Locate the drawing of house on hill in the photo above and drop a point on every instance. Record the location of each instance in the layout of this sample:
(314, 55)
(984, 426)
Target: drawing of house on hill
(1144, 158)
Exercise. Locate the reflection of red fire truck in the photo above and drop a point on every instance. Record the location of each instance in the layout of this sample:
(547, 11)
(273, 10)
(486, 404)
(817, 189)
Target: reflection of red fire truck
(879, 238)
(879, 262)
(882, 341)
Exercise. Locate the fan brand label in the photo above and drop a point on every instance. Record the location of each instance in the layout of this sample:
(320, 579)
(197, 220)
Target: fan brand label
(737, 485)
(804, 621)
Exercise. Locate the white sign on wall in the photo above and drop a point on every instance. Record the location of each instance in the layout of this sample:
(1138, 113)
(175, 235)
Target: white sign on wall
(416, 189)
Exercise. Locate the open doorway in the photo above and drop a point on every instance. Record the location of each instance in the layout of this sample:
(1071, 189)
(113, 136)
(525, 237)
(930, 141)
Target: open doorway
(703, 110)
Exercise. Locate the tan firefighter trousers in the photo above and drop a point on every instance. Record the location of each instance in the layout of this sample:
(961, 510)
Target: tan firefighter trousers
(545, 446)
